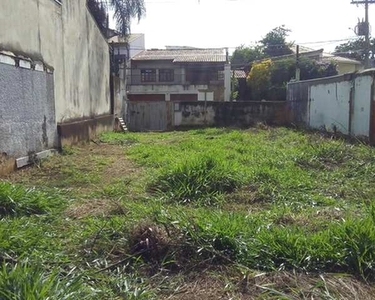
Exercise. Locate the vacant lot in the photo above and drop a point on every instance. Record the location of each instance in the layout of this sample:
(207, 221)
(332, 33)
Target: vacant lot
(201, 214)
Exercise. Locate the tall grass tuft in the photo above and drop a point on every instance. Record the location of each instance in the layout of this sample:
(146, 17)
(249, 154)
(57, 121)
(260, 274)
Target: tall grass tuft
(16, 200)
(202, 179)
(24, 281)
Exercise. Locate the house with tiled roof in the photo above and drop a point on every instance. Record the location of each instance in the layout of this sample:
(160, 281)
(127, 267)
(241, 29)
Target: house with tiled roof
(180, 74)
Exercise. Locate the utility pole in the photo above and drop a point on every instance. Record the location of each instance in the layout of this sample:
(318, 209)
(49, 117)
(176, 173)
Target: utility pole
(298, 70)
(366, 29)
(367, 36)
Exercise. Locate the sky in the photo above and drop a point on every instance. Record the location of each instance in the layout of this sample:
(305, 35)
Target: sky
(231, 23)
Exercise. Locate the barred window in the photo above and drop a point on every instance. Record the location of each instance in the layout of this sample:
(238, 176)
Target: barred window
(148, 75)
(166, 75)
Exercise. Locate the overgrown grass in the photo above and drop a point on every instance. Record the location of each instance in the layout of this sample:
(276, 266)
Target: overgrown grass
(16, 200)
(23, 281)
(145, 206)
(201, 179)
(259, 242)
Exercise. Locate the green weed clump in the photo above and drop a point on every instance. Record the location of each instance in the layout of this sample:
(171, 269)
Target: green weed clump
(23, 281)
(118, 138)
(202, 179)
(15, 200)
(258, 242)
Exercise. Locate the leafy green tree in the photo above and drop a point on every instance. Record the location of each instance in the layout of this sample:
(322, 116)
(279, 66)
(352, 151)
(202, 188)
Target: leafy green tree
(275, 44)
(355, 49)
(244, 56)
(268, 79)
(124, 11)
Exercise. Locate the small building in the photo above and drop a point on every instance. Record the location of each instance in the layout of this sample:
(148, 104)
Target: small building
(123, 49)
(180, 74)
(344, 65)
(126, 48)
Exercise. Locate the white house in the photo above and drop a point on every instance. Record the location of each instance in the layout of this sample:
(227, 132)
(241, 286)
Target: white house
(180, 74)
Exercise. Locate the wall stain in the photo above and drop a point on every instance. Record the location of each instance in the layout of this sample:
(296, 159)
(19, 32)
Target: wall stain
(44, 129)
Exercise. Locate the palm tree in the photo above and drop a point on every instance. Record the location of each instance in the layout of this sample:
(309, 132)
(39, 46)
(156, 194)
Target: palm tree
(124, 11)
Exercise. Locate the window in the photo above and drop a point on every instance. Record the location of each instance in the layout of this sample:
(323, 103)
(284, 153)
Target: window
(148, 75)
(166, 75)
(220, 75)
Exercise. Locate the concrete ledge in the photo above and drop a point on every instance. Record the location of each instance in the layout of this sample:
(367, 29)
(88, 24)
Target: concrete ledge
(27, 160)
(83, 131)
(4, 59)
(25, 64)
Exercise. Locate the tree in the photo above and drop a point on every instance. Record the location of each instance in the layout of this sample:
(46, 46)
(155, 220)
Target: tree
(274, 43)
(99, 13)
(244, 56)
(124, 11)
(268, 79)
(259, 79)
(355, 49)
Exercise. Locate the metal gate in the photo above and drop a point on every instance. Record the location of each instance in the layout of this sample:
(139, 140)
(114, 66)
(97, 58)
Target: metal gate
(149, 115)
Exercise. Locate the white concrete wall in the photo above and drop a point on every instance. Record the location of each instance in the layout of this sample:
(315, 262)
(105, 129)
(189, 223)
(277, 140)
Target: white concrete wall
(361, 106)
(160, 89)
(66, 38)
(137, 45)
(335, 101)
(329, 106)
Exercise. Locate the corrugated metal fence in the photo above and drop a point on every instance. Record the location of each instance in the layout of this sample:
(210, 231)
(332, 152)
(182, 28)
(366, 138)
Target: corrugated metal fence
(149, 116)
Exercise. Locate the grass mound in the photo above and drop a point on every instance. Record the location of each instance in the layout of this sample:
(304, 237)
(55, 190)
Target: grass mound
(16, 200)
(203, 179)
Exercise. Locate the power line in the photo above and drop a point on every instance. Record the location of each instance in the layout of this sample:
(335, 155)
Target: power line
(237, 47)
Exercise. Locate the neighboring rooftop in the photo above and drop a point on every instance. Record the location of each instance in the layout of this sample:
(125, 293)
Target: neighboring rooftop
(183, 55)
(340, 59)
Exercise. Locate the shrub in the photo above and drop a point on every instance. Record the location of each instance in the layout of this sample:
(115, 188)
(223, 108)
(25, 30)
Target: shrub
(259, 79)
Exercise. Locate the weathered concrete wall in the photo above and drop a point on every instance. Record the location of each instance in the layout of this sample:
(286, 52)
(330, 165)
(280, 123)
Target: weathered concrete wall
(239, 114)
(297, 102)
(163, 115)
(340, 103)
(73, 133)
(361, 108)
(27, 111)
(329, 106)
(66, 38)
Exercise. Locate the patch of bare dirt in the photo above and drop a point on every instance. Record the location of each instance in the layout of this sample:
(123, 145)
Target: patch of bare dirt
(94, 207)
(276, 285)
(86, 171)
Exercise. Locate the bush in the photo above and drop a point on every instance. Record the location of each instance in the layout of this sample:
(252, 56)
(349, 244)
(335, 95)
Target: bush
(259, 79)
